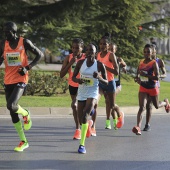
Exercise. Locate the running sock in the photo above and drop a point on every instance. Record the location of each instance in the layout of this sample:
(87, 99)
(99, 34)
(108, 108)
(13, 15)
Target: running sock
(84, 128)
(108, 122)
(21, 111)
(115, 121)
(19, 129)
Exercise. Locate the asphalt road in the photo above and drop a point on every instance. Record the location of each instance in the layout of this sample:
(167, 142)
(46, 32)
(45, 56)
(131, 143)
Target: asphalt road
(52, 147)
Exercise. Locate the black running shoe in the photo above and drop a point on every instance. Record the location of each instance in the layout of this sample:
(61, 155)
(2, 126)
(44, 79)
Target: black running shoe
(147, 128)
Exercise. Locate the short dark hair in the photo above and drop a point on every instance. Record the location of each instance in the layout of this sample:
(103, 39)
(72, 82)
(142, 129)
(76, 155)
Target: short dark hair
(11, 26)
(78, 41)
(153, 46)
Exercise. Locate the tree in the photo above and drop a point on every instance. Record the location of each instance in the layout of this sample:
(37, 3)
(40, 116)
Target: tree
(53, 24)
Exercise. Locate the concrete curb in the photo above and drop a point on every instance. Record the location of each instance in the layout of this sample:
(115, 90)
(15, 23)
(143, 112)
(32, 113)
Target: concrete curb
(61, 111)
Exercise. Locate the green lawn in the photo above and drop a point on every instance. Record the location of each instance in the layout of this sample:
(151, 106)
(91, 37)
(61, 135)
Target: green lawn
(127, 97)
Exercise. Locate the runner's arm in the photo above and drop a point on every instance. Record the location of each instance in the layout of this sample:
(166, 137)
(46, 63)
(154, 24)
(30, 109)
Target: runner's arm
(113, 59)
(122, 64)
(76, 72)
(66, 65)
(28, 45)
(163, 70)
(1, 53)
(101, 69)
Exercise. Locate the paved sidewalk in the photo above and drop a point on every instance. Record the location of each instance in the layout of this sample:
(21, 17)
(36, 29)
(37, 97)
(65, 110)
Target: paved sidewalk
(61, 111)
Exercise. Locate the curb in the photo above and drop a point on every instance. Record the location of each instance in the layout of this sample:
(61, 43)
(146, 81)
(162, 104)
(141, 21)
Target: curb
(61, 111)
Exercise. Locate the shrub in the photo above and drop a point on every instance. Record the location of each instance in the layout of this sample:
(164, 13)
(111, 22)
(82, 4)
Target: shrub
(42, 83)
(46, 84)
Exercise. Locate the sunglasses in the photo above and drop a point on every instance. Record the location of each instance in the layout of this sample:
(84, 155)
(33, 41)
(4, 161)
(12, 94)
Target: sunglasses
(147, 52)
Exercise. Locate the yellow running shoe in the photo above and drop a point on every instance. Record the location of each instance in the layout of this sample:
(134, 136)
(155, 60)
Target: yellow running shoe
(22, 145)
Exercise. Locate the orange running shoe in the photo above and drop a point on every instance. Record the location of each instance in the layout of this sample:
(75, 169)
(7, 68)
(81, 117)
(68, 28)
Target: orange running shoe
(93, 132)
(167, 107)
(120, 119)
(77, 134)
(90, 123)
(136, 130)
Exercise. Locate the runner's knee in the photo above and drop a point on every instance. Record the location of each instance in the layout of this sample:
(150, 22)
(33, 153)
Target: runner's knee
(148, 106)
(142, 108)
(73, 106)
(12, 107)
(15, 117)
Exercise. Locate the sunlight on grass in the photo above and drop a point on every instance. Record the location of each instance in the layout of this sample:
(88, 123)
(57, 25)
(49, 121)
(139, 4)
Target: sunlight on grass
(127, 97)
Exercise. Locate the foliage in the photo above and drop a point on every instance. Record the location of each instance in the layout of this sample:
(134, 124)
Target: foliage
(54, 25)
(46, 84)
(42, 83)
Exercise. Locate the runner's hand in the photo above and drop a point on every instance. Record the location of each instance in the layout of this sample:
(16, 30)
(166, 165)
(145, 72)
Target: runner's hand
(23, 70)
(137, 80)
(96, 75)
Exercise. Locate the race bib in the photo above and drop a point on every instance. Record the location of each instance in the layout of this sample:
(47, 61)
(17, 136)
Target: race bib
(142, 78)
(13, 59)
(87, 81)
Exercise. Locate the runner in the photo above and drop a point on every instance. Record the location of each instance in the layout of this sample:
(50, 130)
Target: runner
(110, 61)
(147, 76)
(68, 67)
(89, 69)
(161, 66)
(121, 64)
(13, 52)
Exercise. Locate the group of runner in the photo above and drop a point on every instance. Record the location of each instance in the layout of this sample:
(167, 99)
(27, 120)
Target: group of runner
(91, 75)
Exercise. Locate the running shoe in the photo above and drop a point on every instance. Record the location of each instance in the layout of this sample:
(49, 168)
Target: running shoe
(22, 145)
(27, 121)
(136, 130)
(82, 149)
(93, 132)
(77, 134)
(115, 121)
(147, 127)
(108, 125)
(90, 123)
(167, 107)
(120, 122)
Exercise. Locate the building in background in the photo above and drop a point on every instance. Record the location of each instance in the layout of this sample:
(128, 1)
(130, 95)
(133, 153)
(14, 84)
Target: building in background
(163, 44)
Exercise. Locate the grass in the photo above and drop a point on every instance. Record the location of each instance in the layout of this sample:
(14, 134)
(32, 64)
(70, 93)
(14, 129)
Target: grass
(127, 97)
